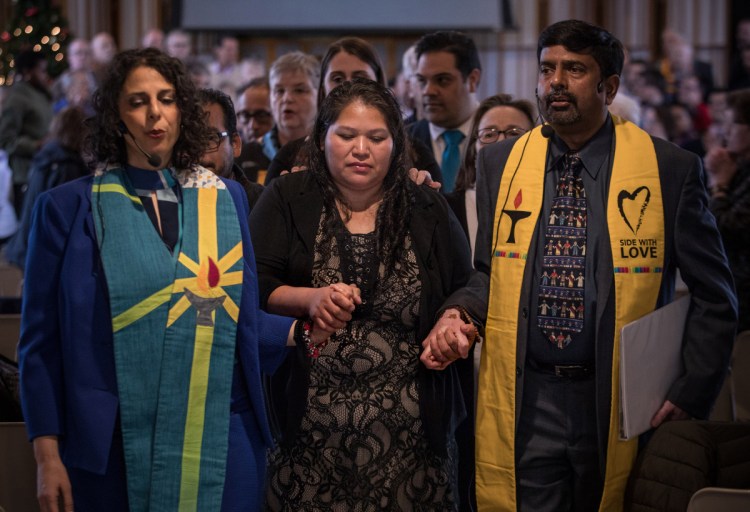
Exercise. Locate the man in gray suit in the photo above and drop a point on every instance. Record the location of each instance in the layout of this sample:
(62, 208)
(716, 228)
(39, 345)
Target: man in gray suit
(547, 423)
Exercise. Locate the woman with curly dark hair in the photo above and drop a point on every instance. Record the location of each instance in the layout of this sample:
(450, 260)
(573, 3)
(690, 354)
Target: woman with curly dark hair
(142, 345)
(363, 425)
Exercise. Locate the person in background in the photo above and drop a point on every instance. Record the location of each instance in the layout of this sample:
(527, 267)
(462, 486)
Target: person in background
(293, 78)
(179, 44)
(254, 120)
(681, 129)
(407, 90)
(690, 94)
(739, 68)
(25, 118)
(142, 345)
(226, 144)
(497, 118)
(547, 415)
(363, 424)
(448, 74)
(78, 58)
(344, 60)
(60, 160)
(728, 170)
(153, 38)
(103, 50)
(8, 219)
(717, 111)
(679, 62)
(198, 73)
(226, 74)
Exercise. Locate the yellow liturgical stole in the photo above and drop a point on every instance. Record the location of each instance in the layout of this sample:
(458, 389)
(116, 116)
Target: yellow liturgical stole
(635, 222)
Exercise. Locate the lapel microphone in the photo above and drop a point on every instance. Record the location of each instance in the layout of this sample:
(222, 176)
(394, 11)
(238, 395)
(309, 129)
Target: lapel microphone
(153, 160)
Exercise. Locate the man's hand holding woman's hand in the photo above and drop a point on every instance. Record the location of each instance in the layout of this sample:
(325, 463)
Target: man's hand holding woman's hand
(450, 339)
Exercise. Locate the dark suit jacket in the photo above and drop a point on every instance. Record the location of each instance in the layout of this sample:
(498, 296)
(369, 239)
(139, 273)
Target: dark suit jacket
(66, 353)
(692, 243)
(457, 201)
(284, 224)
(420, 131)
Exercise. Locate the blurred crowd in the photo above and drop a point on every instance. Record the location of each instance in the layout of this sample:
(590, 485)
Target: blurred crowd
(673, 97)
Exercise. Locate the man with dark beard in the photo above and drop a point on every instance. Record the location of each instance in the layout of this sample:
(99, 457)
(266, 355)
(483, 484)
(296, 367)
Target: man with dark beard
(634, 209)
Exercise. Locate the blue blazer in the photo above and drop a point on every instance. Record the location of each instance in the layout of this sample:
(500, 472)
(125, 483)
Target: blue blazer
(66, 353)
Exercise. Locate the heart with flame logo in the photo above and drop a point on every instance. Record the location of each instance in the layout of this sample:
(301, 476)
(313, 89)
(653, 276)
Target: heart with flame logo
(633, 206)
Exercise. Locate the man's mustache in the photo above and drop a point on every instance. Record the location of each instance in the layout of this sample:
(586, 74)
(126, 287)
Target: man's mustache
(561, 96)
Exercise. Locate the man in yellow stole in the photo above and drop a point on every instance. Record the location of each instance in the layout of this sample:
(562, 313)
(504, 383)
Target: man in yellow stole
(582, 225)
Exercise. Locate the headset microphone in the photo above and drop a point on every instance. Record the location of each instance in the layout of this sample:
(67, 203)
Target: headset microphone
(547, 130)
(153, 160)
(600, 86)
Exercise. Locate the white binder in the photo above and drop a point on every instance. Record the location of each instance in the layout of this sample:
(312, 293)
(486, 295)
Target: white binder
(650, 362)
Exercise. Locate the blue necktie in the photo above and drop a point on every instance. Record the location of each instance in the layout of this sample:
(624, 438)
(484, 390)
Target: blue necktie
(561, 287)
(451, 158)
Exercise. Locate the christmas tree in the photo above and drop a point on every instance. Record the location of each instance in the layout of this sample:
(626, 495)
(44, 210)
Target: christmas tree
(37, 25)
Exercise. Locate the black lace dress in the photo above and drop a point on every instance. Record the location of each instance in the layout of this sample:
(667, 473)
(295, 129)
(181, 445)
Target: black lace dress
(361, 445)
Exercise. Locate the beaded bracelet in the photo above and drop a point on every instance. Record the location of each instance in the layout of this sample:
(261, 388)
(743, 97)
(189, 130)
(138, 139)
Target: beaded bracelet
(302, 331)
(466, 318)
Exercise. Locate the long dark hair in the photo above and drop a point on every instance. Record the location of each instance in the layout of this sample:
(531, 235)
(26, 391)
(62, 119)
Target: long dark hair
(105, 142)
(467, 175)
(392, 220)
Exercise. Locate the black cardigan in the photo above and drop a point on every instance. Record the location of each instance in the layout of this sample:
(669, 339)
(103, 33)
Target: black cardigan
(283, 226)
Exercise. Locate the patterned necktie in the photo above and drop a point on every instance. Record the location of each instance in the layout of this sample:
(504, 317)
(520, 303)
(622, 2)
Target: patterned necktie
(560, 314)
(451, 158)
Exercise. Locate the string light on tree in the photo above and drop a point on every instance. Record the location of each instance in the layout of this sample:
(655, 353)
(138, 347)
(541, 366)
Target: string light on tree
(34, 24)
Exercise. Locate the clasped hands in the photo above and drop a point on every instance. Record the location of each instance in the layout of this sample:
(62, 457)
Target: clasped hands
(331, 308)
(450, 339)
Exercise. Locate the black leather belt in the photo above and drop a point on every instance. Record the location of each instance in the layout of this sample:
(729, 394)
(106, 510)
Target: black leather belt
(568, 371)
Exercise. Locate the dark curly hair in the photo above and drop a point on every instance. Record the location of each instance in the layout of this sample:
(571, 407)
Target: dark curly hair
(393, 215)
(105, 143)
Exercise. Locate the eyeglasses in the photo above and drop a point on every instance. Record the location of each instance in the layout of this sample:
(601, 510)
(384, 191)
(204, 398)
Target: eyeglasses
(261, 116)
(490, 135)
(214, 141)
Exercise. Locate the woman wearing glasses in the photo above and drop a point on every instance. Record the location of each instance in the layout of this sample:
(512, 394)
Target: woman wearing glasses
(497, 118)
(141, 342)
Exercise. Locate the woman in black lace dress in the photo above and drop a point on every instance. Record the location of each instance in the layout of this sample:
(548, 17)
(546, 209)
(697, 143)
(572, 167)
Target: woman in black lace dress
(356, 245)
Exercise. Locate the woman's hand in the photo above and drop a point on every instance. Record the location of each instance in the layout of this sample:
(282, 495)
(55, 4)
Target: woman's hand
(296, 168)
(423, 177)
(331, 307)
(53, 484)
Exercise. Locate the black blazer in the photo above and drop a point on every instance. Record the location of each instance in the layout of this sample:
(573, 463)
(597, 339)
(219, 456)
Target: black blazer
(284, 224)
(692, 243)
(457, 202)
(420, 131)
